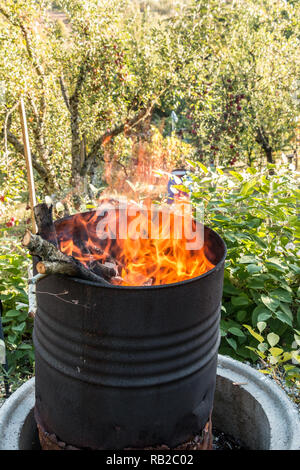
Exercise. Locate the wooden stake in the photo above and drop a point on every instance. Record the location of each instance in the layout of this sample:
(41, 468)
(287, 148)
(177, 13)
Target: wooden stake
(28, 163)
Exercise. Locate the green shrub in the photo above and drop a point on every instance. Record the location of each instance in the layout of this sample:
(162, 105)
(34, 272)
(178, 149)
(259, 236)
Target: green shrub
(276, 361)
(256, 215)
(17, 325)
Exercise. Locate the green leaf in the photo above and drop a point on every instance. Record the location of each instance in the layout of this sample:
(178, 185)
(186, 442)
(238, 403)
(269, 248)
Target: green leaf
(239, 301)
(12, 313)
(295, 356)
(297, 339)
(20, 327)
(272, 304)
(259, 353)
(273, 339)
(5, 296)
(25, 346)
(294, 268)
(230, 289)
(281, 294)
(256, 283)
(248, 187)
(236, 331)
(284, 318)
(286, 309)
(274, 263)
(287, 356)
(253, 268)
(259, 338)
(260, 313)
(264, 316)
(259, 241)
(21, 305)
(236, 175)
(276, 351)
(262, 347)
(241, 315)
(232, 343)
(261, 325)
(203, 167)
(247, 259)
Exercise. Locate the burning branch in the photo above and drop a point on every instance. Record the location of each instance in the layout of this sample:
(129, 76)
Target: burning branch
(49, 253)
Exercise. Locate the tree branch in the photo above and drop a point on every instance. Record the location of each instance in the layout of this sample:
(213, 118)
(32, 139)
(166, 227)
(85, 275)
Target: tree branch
(25, 33)
(262, 139)
(80, 79)
(64, 92)
(75, 131)
(107, 136)
(19, 147)
(7, 124)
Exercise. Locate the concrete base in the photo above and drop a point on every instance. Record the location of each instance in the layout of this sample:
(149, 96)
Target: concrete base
(248, 406)
(251, 407)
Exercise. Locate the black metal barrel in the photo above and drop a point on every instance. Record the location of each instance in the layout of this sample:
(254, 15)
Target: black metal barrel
(120, 366)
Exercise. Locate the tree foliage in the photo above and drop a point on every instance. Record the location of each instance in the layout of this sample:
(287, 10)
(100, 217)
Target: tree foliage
(248, 101)
(86, 81)
(92, 70)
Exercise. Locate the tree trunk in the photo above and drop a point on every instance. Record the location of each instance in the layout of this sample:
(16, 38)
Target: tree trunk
(263, 140)
(269, 154)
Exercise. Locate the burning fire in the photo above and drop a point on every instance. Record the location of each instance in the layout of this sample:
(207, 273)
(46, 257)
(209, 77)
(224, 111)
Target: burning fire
(146, 246)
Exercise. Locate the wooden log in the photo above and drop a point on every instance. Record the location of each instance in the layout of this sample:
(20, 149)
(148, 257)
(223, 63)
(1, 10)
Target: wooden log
(61, 267)
(56, 267)
(149, 282)
(42, 248)
(44, 222)
(107, 270)
(100, 254)
(48, 252)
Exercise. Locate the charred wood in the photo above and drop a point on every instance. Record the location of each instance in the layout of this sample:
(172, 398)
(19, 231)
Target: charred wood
(44, 222)
(48, 252)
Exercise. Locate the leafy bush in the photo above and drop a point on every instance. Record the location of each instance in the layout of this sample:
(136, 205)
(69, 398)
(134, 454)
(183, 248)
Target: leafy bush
(17, 324)
(276, 362)
(256, 215)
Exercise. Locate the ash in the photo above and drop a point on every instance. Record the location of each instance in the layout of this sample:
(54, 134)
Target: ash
(222, 441)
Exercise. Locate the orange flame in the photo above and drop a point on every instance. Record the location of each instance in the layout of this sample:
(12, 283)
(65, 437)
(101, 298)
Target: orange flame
(150, 248)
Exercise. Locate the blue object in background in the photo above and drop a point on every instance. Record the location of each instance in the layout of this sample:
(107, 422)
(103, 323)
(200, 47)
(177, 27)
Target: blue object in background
(173, 181)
